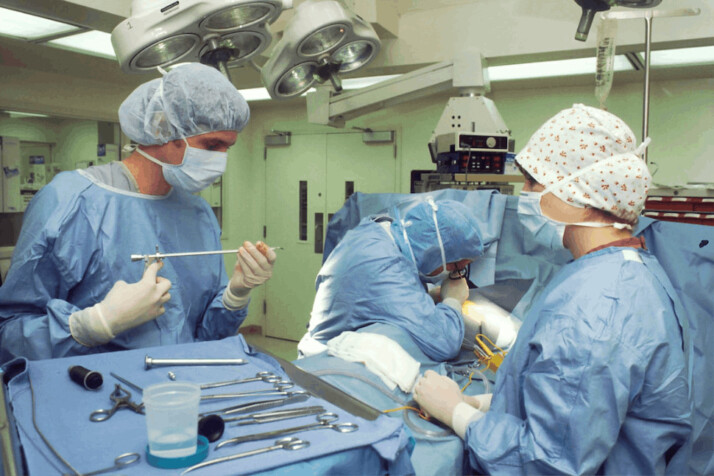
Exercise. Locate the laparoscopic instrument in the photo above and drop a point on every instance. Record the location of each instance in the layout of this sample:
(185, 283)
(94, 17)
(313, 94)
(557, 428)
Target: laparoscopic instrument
(278, 415)
(325, 421)
(289, 444)
(160, 256)
(122, 399)
(260, 405)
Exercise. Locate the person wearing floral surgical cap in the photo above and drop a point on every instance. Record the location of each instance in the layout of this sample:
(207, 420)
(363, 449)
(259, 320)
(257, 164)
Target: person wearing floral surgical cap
(598, 379)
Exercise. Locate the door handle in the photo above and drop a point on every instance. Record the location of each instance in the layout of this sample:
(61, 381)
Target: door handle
(319, 232)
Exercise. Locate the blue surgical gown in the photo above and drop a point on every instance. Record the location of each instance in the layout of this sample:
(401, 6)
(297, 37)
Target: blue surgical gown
(598, 379)
(76, 241)
(368, 279)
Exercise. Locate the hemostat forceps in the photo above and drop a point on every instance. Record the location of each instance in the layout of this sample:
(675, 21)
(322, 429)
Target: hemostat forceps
(269, 377)
(289, 444)
(324, 421)
(122, 399)
(279, 389)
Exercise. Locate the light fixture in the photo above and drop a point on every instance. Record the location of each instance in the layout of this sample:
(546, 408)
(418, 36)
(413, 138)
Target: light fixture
(31, 27)
(549, 69)
(96, 43)
(683, 56)
(20, 115)
(221, 33)
(322, 40)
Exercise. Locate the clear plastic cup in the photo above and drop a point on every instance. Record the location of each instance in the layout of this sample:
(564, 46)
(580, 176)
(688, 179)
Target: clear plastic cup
(172, 418)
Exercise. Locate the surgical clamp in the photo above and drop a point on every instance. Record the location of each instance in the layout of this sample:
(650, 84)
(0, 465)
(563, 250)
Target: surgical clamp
(151, 362)
(269, 377)
(122, 399)
(121, 461)
(159, 256)
(267, 417)
(279, 389)
(324, 421)
(290, 444)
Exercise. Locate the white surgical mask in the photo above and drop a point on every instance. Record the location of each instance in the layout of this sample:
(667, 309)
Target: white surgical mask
(547, 231)
(198, 169)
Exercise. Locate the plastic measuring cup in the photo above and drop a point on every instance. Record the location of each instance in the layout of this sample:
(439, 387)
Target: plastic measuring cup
(172, 418)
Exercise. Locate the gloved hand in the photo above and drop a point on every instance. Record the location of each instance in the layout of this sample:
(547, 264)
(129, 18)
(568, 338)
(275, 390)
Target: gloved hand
(480, 402)
(438, 396)
(124, 307)
(454, 292)
(253, 267)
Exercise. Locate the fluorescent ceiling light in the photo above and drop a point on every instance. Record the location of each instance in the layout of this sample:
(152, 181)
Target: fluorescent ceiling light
(95, 43)
(255, 94)
(18, 114)
(30, 27)
(549, 69)
(683, 56)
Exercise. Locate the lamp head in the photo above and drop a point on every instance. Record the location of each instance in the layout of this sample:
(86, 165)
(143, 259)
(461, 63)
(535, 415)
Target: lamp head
(322, 41)
(160, 33)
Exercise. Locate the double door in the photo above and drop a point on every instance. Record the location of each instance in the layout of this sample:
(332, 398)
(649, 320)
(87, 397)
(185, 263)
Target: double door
(306, 182)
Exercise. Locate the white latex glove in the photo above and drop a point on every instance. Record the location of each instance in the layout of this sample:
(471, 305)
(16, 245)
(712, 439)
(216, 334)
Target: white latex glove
(438, 396)
(125, 306)
(480, 402)
(253, 267)
(454, 292)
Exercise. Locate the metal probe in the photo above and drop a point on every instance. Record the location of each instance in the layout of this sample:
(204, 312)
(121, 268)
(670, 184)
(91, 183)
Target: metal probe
(159, 256)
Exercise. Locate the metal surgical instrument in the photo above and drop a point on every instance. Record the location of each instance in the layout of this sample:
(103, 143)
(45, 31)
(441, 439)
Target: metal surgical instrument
(261, 405)
(120, 462)
(160, 256)
(289, 444)
(324, 421)
(267, 417)
(126, 382)
(151, 362)
(122, 399)
(269, 377)
(279, 389)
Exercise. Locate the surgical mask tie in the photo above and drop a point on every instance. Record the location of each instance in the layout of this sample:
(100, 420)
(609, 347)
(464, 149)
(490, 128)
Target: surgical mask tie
(198, 169)
(423, 277)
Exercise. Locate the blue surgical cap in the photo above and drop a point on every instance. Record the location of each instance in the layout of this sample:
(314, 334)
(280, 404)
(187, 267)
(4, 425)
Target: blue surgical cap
(458, 228)
(189, 100)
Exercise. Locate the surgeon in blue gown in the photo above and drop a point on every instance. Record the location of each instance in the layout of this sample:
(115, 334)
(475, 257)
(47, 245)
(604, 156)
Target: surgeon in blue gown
(72, 288)
(599, 378)
(378, 274)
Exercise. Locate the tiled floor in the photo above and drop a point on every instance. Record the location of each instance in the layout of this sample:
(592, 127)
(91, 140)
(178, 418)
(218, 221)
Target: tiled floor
(286, 349)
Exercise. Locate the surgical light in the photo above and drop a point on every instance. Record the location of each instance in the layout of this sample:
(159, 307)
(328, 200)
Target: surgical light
(322, 41)
(221, 33)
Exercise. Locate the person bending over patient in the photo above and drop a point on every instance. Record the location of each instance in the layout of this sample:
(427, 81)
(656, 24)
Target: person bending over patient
(379, 270)
(597, 381)
(67, 290)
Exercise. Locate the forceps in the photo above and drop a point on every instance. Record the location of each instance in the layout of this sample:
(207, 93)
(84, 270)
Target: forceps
(121, 461)
(122, 399)
(267, 417)
(290, 444)
(324, 421)
(278, 389)
(269, 377)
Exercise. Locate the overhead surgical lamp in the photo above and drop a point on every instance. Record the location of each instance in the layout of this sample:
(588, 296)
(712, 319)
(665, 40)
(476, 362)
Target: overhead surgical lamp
(591, 7)
(221, 33)
(322, 41)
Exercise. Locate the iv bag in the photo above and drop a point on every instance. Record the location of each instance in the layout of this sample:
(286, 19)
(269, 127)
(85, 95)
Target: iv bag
(607, 32)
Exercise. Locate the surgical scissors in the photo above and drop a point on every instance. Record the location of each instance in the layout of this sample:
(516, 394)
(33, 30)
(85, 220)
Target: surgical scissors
(278, 389)
(297, 397)
(121, 461)
(122, 399)
(324, 421)
(289, 444)
(269, 377)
